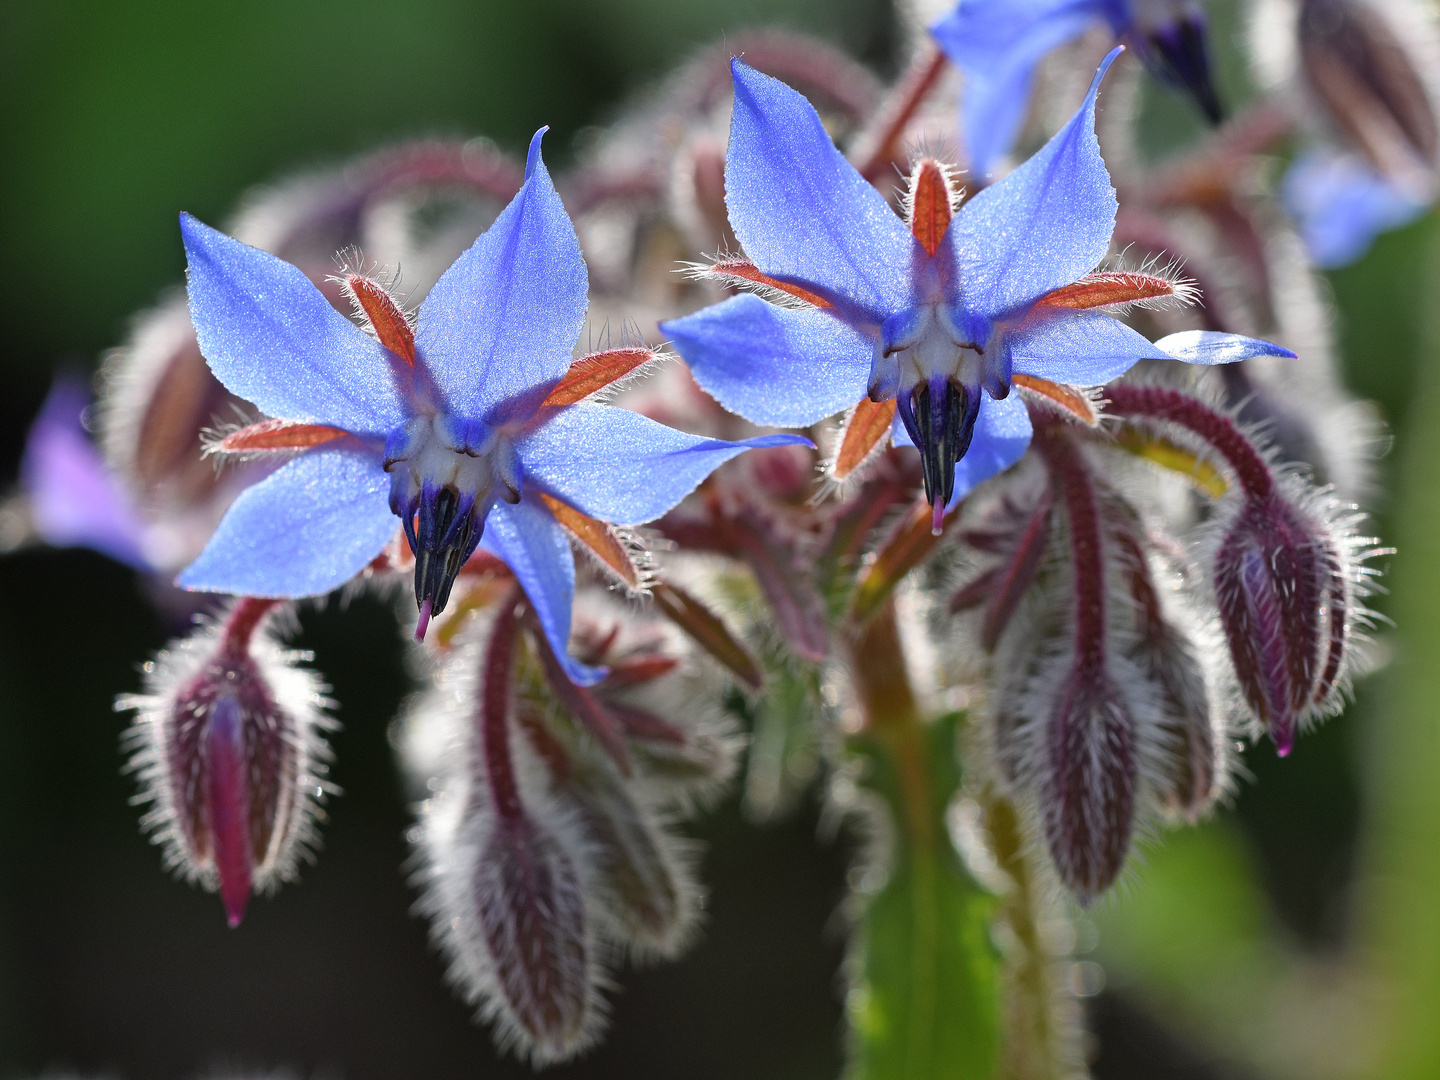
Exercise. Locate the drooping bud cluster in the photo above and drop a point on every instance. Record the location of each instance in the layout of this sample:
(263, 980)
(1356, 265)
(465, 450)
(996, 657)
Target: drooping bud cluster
(1286, 571)
(229, 748)
(544, 847)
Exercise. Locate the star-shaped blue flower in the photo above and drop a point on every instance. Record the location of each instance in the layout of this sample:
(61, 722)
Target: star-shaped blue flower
(941, 331)
(997, 44)
(454, 438)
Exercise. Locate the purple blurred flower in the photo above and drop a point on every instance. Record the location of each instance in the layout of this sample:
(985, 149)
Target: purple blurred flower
(1340, 205)
(444, 425)
(997, 44)
(75, 500)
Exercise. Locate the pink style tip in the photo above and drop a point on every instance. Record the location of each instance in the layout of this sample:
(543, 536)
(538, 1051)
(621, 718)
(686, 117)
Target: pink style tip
(423, 623)
(235, 904)
(937, 518)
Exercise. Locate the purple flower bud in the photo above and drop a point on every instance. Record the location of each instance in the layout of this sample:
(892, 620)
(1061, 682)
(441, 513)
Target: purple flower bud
(1088, 788)
(1283, 601)
(505, 869)
(1168, 655)
(229, 751)
(531, 911)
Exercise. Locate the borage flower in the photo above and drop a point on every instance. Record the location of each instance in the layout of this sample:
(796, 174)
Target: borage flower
(997, 44)
(468, 426)
(918, 320)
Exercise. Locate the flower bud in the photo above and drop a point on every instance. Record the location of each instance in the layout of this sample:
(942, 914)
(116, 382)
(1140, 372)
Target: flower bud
(531, 912)
(1283, 601)
(504, 864)
(1088, 787)
(229, 752)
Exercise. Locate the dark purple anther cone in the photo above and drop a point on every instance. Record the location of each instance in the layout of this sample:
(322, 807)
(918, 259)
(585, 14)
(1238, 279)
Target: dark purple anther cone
(1276, 583)
(1177, 54)
(939, 416)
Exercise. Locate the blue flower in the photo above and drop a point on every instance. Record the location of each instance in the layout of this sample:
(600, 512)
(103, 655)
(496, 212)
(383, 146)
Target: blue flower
(445, 426)
(1340, 205)
(997, 44)
(941, 325)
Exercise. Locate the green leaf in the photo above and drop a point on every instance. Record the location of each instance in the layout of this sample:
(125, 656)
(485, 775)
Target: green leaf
(924, 1002)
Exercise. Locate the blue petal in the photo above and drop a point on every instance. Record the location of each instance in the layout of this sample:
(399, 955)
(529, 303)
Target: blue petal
(537, 550)
(497, 329)
(1085, 348)
(75, 500)
(623, 467)
(303, 531)
(1210, 347)
(1002, 434)
(271, 337)
(773, 365)
(1041, 227)
(802, 212)
(1341, 205)
(997, 44)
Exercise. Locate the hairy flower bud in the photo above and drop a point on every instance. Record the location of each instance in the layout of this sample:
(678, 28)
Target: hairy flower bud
(229, 751)
(1088, 787)
(1284, 602)
(503, 865)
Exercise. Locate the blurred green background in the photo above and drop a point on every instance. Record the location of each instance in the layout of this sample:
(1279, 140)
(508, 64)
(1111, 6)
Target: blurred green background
(1298, 934)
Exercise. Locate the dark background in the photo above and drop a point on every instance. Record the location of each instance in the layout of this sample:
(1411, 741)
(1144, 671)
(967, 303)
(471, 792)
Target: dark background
(113, 117)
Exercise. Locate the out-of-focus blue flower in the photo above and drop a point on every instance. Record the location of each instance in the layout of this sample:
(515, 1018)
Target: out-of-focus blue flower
(893, 320)
(75, 500)
(997, 44)
(1340, 205)
(450, 433)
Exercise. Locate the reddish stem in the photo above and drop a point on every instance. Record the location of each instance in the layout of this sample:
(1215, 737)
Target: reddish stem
(875, 149)
(1218, 430)
(240, 625)
(497, 667)
(1070, 476)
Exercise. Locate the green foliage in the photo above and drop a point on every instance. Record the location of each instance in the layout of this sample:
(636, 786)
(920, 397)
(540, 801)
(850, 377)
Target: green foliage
(924, 999)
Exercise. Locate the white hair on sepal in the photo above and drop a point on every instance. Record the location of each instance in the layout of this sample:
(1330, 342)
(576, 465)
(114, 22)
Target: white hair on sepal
(301, 712)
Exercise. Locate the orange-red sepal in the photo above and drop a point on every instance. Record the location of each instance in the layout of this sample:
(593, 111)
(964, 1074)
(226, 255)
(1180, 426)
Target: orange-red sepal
(706, 630)
(1109, 289)
(906, 548)
(869, 423)
(277, 435)
(931, 200)
(743, 269)
(385, 316)
(599, 537)
(1064, 397)
(595, 372)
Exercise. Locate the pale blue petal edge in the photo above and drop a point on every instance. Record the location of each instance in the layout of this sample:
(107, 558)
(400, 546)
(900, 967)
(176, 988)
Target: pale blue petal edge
(1211, 347)
(526, 536)
(273, 339)
(498, 328)
(1043, 226)
(305, 530)
(622, 467)
(802, 212)
(773, 365)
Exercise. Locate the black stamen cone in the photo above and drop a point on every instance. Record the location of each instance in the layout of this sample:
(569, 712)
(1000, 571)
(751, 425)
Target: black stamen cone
(1180, 57)
(444, 546)
(940, 418)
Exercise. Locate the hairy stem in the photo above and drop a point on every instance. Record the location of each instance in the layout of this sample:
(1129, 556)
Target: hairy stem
(1218, 430)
